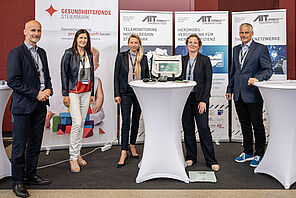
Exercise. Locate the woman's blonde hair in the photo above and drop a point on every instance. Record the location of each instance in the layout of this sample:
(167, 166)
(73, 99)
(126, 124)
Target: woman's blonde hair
(139, 54)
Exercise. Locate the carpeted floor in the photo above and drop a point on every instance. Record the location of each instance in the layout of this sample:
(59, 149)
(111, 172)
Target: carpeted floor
(101, 172)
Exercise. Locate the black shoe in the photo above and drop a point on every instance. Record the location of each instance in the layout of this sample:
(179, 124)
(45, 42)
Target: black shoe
(36, 180)
(125, 160)
(20, 190)
(135, 156)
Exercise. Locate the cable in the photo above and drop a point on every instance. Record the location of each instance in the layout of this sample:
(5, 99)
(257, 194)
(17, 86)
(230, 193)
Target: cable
(60, 162)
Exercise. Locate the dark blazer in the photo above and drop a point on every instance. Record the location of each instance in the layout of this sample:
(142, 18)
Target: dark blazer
(202, 76)
(23, 78)
(121, 72)
(70, 65)
(257, 64)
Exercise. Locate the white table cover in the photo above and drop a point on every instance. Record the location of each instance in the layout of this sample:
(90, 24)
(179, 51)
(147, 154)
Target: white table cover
(5, 167)
(162, 105)
(279, 159)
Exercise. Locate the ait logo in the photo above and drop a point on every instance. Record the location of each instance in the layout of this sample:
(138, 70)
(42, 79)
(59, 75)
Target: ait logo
(205, 19)
(51, 10)
(261, 18)
(149, 19)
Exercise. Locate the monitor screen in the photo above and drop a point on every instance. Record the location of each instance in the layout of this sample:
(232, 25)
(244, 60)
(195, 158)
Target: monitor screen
(166, 65)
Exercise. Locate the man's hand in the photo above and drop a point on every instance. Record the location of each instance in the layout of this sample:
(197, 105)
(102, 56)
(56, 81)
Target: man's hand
(47, 91)
(251, 81)
(202, 107)
(43, 95)
(117, 100)
(67, 101)
(228, 96)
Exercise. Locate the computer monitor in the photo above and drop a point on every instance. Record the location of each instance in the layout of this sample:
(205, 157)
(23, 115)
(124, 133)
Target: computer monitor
(163, 65)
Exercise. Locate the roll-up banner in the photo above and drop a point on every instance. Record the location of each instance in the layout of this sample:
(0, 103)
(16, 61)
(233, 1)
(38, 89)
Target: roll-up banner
(212, 28)
(60, 21)
(155, 30)
(269, 27)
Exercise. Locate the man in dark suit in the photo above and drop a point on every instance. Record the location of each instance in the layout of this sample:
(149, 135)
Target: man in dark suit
(28, 76)
(251, 63)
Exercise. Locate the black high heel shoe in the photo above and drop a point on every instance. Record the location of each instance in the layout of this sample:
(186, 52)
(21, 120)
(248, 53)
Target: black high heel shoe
(125, 161)
(133, 156)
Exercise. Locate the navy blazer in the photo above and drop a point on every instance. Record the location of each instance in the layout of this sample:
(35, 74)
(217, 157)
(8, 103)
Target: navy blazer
(121, 72)
(257, 64)
(202, 76)
(23, 79)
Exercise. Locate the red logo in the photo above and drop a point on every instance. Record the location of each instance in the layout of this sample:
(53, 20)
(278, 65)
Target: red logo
(51, 10)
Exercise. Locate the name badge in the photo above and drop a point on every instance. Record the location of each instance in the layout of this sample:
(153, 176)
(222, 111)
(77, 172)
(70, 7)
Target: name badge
(42, 85)
(85, 82)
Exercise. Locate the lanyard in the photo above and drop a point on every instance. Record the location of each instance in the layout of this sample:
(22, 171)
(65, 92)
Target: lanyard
(190, 68)
(243, 55)
(133, 64)
(35, 57)
(82, 60)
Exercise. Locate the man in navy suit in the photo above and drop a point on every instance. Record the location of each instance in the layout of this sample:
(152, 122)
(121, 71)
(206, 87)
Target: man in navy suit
(28, 76)
(250, 63)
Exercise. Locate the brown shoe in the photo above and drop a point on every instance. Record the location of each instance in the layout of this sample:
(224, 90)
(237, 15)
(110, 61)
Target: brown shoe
(81, 161)
(215, 167)
(74, 166)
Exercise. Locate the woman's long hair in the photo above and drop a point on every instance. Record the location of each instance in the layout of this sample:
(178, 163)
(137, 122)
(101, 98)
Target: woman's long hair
(87, 46)
(139, 54)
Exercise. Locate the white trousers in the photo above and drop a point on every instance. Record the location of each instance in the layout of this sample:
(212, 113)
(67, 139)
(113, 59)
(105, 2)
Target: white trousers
(79, 103)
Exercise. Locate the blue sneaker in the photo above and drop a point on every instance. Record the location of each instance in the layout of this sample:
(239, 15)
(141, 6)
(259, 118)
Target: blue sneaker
(255, 161)
(244, 157)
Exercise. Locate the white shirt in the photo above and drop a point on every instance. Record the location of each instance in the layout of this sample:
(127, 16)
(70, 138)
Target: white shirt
(244, 52)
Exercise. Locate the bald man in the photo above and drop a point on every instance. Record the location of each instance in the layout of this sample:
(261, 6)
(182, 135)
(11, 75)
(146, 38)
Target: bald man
(28, 77)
